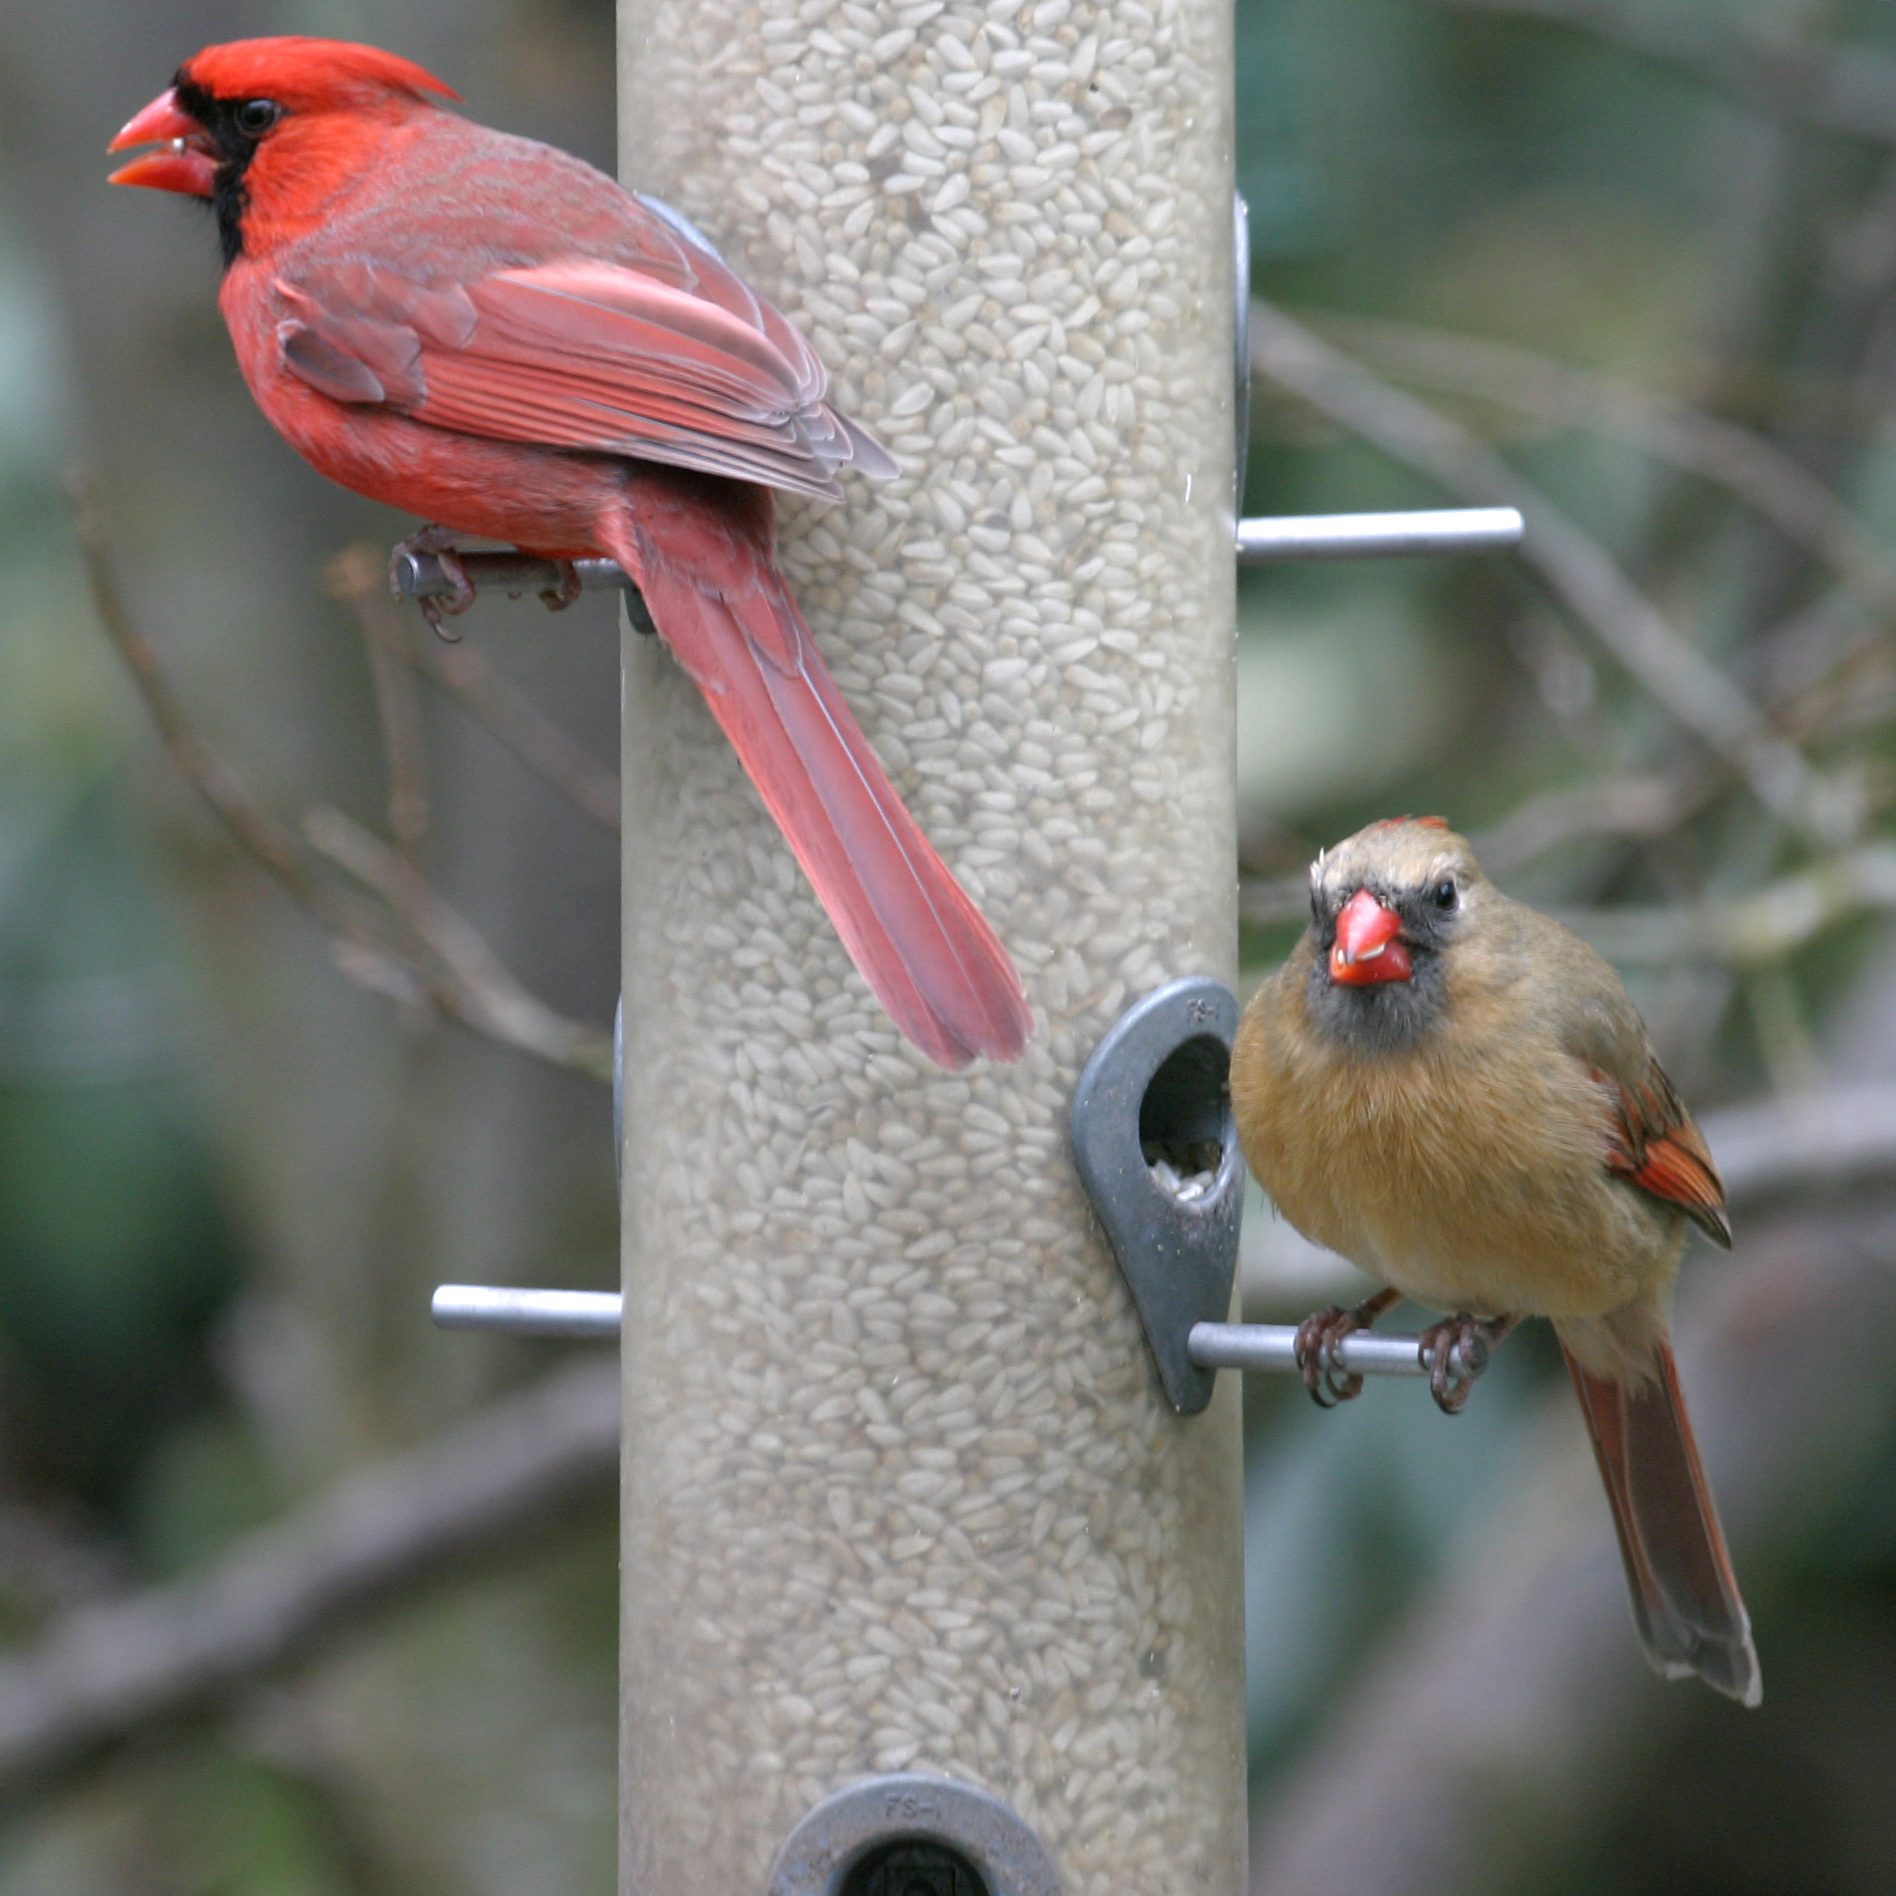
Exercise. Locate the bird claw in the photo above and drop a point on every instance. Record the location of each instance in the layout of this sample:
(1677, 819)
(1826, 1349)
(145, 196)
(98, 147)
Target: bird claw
(1455, 1352)
(558, 598)
(437, 543)
(1317, 1338)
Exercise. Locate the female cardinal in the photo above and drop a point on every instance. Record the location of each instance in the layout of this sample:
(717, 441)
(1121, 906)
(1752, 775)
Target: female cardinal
(1456, 1094)
(489, 333)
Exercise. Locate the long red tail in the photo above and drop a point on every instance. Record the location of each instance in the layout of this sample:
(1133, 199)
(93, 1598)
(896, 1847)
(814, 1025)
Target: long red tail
(701, 552)
(1685, 1596)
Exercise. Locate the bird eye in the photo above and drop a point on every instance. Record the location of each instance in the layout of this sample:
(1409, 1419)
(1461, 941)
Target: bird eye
(1445, 895)
(256, 116)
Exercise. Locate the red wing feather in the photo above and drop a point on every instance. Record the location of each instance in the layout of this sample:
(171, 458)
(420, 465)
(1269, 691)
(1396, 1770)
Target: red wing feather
(512, 401)
(1656, 1146)
(605, 315)
(586, 354)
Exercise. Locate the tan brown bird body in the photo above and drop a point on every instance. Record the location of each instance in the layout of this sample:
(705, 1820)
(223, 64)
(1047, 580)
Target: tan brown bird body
(1456, 1094)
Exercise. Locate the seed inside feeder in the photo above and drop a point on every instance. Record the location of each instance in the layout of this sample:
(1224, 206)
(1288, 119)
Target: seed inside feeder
(893, 1309)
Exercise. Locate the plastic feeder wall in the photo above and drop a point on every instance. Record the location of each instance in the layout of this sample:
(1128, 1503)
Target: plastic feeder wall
(901, 1492)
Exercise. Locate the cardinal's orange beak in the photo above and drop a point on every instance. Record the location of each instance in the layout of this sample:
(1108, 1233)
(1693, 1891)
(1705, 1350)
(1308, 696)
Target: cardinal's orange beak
(188, 162)
(1366, 946)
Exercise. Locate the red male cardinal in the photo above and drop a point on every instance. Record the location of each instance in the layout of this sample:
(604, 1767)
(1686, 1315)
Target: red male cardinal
(1456, 1094)
(489, 333)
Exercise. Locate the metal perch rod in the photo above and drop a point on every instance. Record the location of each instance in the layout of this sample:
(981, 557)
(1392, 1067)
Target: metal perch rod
(588, 1313)
(527, 1312)
(413, 575)
(1273, 1346)
(416, 575)
(1378, 535)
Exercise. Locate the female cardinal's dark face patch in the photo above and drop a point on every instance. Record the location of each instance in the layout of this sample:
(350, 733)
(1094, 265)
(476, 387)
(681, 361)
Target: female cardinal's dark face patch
(1387, 1016)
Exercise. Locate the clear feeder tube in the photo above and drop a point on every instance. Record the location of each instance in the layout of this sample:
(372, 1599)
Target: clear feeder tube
(901, 1492)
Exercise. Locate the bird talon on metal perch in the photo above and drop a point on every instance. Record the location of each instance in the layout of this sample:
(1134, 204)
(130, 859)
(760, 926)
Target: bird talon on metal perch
(1455, 1352)
(418, 575)
(1321, 1335)
(1324, 1378)
(558, 597)
(1272, 1349)
(451, 590)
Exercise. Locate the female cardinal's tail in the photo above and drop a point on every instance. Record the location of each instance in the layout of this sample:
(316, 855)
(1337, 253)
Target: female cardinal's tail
(701, 551)
(1685, 1597)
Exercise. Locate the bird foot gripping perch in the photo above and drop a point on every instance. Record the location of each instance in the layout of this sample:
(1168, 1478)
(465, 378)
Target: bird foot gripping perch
(419, 573)
(452, 592)
(1452, 1354)
(443, 580)
(431, 569)
(1456, 1351)
(1318, 1338)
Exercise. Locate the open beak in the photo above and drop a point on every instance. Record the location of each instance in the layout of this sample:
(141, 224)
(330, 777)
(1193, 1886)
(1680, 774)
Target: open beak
(1366, 946)
(188, 160)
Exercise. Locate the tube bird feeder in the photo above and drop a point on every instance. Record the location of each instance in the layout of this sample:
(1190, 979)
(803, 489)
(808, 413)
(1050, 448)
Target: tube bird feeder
(904, 1506)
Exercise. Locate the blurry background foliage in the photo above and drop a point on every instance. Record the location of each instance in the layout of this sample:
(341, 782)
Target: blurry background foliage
(1636, 260)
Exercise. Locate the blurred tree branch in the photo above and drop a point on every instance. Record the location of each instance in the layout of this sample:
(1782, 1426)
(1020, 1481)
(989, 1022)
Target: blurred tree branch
(1749, 930)
(525, 729)
(1637, 808)
(259, 835)
(359, 580)
(1804, 1142)
(1692, 690)
(1633, 807)
(1850, 89)
(488, 997)
(1745, 463)
(497, 1482)
(398, 712)
(48, 1561)
(447, 960)
(359, 577)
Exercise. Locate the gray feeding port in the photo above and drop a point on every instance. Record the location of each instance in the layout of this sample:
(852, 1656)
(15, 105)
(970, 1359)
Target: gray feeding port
(1157, 1149)
(906, 1834)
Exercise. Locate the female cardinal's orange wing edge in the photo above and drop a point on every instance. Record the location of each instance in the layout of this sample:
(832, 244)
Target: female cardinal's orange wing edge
(584, 354)
(1655, 1145)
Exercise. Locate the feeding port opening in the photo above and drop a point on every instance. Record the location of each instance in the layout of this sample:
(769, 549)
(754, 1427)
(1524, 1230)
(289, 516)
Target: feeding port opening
(1185, 1115)
(913, 1866)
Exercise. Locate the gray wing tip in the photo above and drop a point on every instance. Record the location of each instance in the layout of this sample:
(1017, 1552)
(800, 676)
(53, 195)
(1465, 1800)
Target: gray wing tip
(680, 223)
(1724, 1659)
(867, 455)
